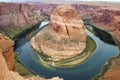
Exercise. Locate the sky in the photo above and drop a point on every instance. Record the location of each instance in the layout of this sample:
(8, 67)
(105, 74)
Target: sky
(55, 0)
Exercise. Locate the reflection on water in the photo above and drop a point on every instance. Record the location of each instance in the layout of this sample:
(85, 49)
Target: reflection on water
(104, 36)
(83, 71)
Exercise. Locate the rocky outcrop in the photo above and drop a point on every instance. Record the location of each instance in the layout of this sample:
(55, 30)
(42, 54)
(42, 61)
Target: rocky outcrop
(19, 14)
(6, 74)
(6, 46)
(65, 37)
(114, 71)
(108, 20)
(46, 8)
(7, 62)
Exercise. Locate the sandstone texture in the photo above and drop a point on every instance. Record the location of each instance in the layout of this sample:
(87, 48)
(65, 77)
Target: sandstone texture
(6, 46)
(114, 72)
(108, 20)
(7, 65)
(19, 14)
(6, 74)
(65, 37)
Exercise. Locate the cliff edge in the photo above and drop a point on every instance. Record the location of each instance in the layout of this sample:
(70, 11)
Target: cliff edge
(6, 46)
(7, 65)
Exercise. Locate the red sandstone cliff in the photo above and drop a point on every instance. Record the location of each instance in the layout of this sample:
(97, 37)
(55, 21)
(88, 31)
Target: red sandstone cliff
(19, 14)
(46, 8)
(7, 65)
(6, 46)
(108, 20)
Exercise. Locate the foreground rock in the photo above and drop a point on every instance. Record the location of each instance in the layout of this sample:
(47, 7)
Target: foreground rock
(6, 46)
(6, 74)
(7, 62)
(65, 37)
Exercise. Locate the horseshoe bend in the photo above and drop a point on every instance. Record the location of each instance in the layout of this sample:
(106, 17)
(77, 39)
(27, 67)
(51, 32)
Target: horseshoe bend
(61, 44)
(64, 38)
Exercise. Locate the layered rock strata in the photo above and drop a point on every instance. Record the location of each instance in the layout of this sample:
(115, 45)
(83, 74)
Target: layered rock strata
(65, 37)
(6, 46)
(114, 71)
(7, 62)
(108, 20)
(19, 14)
(6, 74)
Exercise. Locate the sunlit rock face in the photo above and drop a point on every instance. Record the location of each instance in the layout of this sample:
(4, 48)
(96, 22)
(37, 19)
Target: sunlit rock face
(65, 37)
(7, 65)
(6, 74)
(66, 21)
(6, 47)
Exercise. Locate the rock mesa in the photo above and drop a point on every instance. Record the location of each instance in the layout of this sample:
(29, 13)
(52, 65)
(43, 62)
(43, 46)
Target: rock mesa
(64, 37)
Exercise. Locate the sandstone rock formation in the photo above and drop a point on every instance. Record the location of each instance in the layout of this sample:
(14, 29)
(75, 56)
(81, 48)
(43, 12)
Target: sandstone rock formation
(6, 74)
(7, 62)
(108, 20)
(65, 37)
(114, 71)
(6, 46)
(19, 14)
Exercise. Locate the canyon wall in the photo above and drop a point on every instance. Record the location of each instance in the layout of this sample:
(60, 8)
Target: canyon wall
(7, 65)
(6, 46)
(85, 10)
(19, 14)
(46, 8)
(108, 20)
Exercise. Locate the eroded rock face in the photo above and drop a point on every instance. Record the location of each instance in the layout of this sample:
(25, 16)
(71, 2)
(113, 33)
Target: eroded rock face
(6, 74)
(114, 71)
(6, 46)
(19, 14)
(108, 20)
(7, 62)
(65, 37)
(66, 21)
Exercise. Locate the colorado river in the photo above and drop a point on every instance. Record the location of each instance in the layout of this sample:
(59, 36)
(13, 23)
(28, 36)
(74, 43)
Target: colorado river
(84, 71)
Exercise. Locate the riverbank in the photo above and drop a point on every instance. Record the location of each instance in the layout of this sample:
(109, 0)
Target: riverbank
(21, 69)
(71, 62)
(111, 69)
(111, 62)
(108, 66)
(12, 32)
(15, 33)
